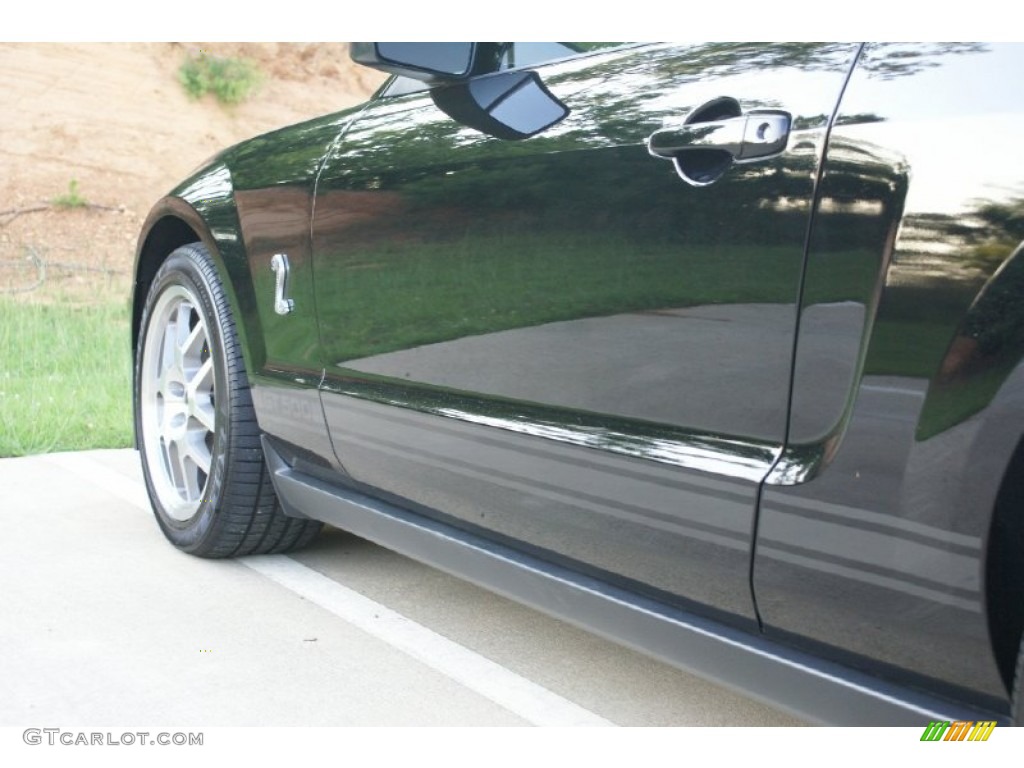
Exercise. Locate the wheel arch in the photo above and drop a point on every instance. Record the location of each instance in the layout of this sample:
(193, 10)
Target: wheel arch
(981, 380)
(160, 238)
(175, 221)
(993, 475)
(1004, 569)
(1001, 440)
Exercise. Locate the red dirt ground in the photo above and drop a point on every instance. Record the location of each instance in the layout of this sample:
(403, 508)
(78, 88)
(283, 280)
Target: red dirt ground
(114, 118)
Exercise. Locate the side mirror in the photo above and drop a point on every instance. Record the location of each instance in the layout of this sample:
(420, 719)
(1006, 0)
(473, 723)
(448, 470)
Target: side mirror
(432, 62)
(506, 105)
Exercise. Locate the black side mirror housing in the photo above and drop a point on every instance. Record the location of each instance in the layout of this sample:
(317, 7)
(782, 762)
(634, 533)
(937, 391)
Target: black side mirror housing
(430, 62)
(506, 105)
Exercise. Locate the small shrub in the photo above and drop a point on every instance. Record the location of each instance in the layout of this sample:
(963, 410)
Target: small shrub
(72, 199)
(232, 81)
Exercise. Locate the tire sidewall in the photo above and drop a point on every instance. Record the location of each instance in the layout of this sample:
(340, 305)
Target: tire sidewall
(191, 267)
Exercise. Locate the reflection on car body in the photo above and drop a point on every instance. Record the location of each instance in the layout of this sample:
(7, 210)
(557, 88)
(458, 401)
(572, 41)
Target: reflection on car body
(760, 419)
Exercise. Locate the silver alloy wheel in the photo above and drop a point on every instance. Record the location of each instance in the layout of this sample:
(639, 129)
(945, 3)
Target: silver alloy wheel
(177, 394)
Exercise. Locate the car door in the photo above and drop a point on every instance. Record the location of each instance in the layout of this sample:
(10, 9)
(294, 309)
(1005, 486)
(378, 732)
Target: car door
(877, 543)
(559, 342)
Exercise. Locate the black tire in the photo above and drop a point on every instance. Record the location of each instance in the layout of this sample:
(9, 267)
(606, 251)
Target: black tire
(197, 432)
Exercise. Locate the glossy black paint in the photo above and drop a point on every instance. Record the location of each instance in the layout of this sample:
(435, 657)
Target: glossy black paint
(564, 311)
(816, 690)
(557, 346)
(872, 535)
(505, 105)
(274, 201)
(426, 61)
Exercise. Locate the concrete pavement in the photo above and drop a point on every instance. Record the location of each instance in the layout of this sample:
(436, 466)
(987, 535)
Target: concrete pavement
(104, 623)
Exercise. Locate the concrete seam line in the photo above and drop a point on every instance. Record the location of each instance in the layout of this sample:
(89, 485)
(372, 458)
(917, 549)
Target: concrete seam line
(530, 701)
(94, 472)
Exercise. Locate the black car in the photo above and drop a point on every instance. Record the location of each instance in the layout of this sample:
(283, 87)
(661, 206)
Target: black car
(715, 350)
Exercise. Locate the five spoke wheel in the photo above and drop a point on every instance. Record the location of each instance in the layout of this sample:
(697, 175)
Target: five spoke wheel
(178, 391)
(202, 455)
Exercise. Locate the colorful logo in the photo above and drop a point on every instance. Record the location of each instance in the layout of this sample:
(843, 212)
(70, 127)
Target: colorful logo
(960, 730)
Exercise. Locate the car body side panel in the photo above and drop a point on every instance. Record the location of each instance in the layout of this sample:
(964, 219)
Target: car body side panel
(200, 208)
(812, 688)
(175, 220)
(872, 529)
(273, 177)
(557, 342)
(553, 368)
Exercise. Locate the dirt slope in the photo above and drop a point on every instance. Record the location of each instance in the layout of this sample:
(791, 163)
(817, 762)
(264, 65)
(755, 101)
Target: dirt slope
(114, 118)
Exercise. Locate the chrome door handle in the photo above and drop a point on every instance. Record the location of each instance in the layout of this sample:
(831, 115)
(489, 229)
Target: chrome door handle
(716, 135)
(753, 136)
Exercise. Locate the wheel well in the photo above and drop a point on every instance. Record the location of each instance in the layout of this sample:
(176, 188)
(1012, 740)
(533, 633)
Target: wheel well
(166, 235)
(1004, 569)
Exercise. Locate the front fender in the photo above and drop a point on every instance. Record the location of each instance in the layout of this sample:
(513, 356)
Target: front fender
(200, 209)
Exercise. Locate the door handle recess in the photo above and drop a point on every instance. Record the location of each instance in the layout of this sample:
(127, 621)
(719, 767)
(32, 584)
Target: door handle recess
(703, 150)
(753, 136)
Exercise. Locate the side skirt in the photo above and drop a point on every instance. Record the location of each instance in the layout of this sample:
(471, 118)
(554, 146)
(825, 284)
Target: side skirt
(813, 689)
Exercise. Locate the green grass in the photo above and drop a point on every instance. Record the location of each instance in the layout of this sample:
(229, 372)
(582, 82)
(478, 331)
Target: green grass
(72, 199)
(486, 284)
(949, 404)
(232, 81)
(906, 348)
(65, 377)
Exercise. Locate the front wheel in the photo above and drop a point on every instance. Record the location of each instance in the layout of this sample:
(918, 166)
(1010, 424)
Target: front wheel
(197, 432)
